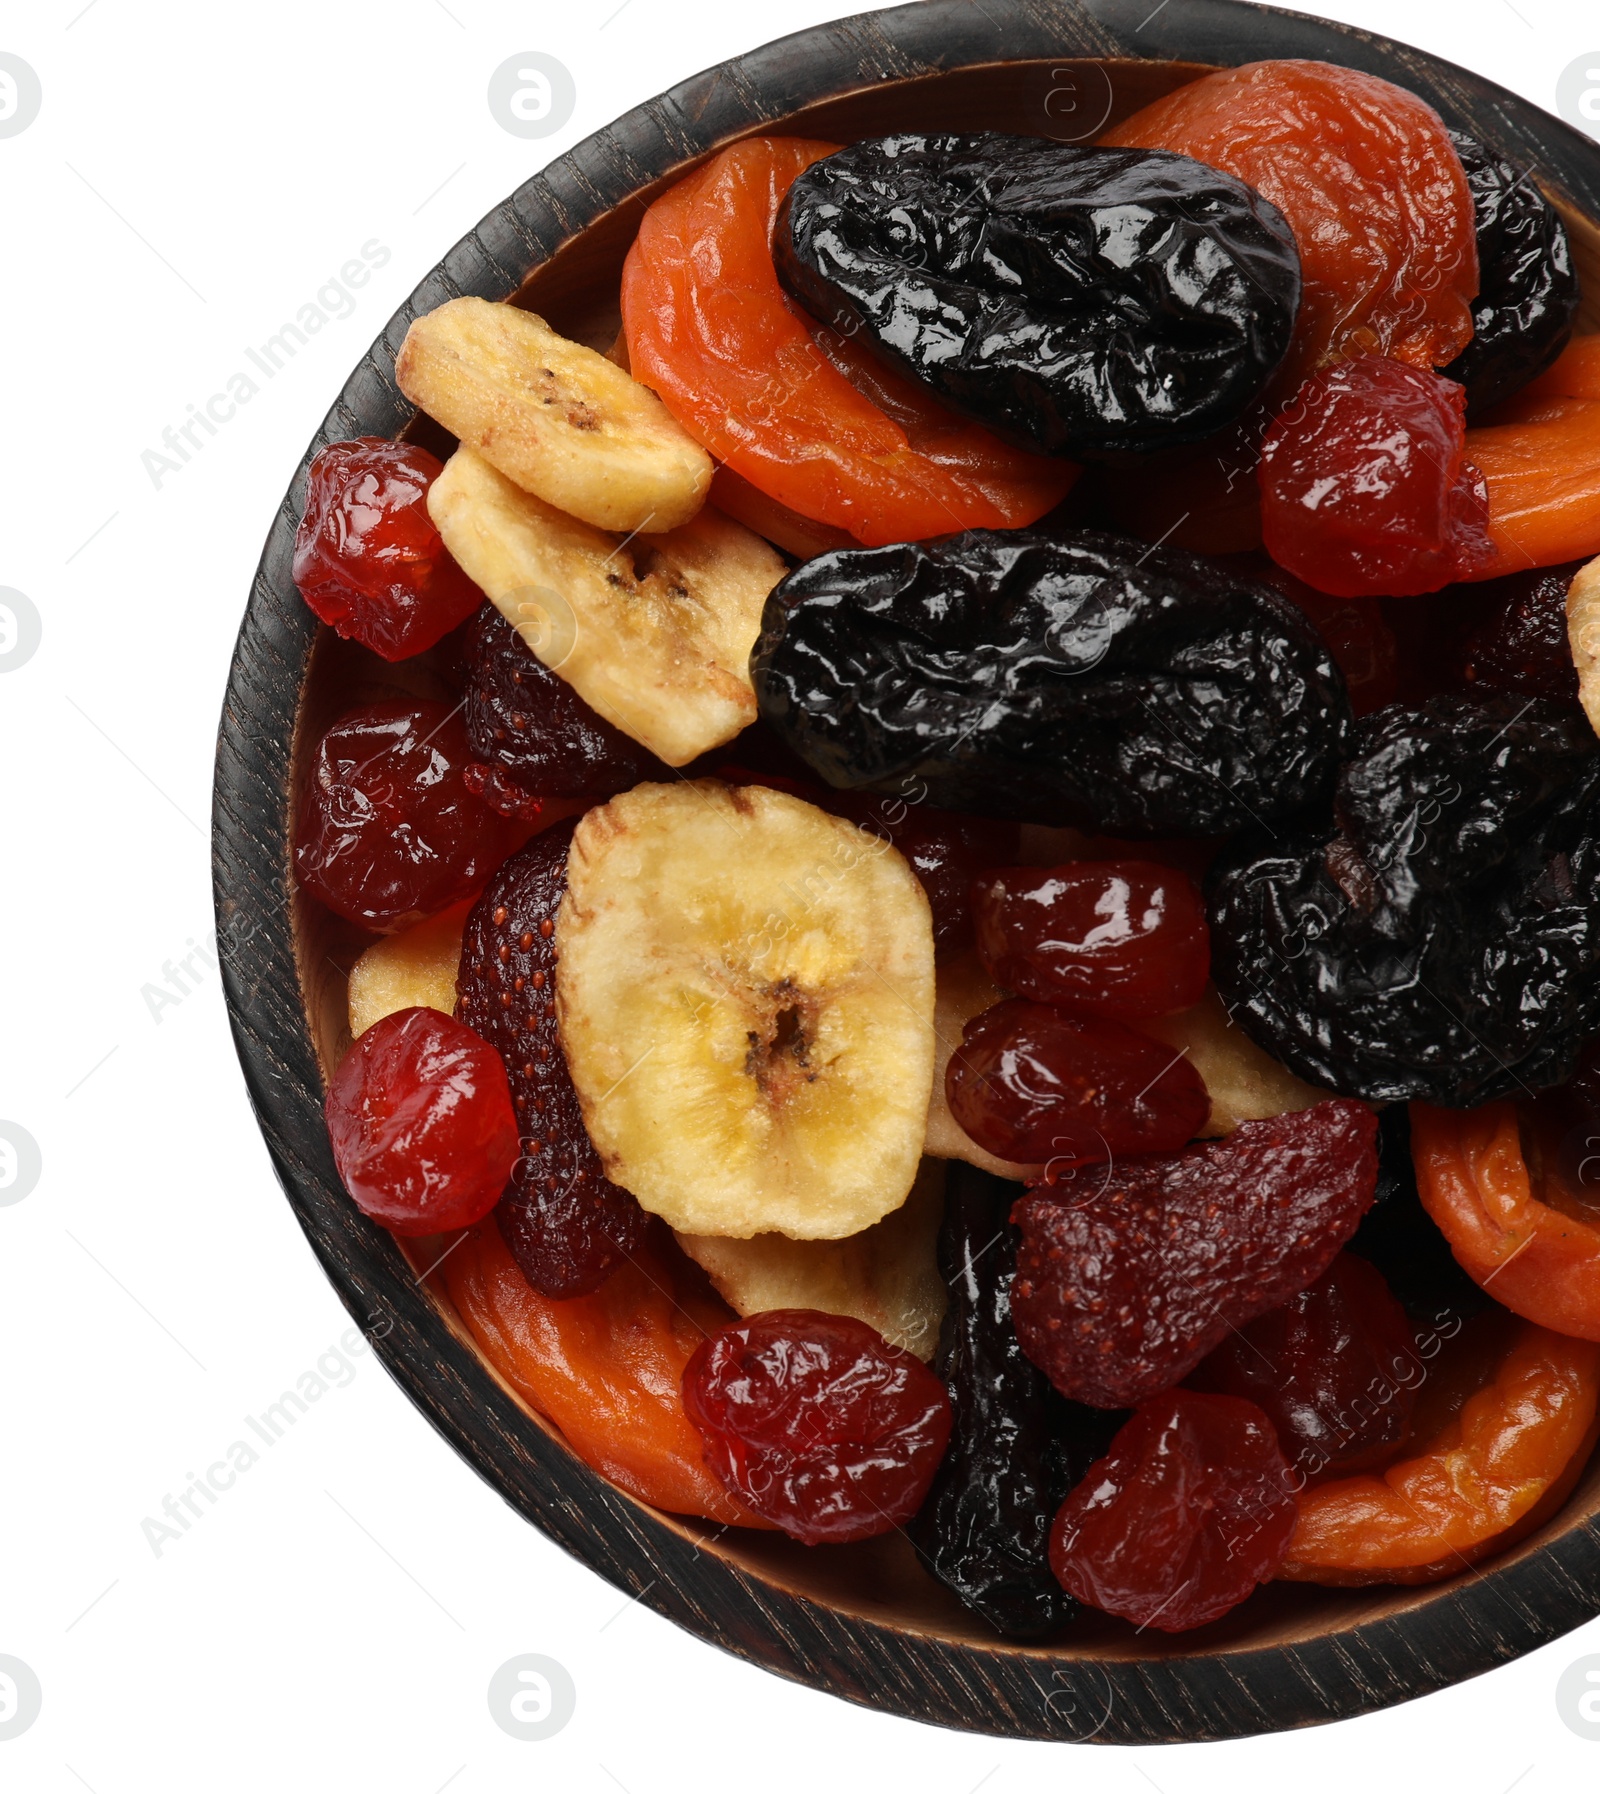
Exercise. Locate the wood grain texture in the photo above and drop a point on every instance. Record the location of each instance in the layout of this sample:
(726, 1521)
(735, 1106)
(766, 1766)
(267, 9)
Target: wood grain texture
(862, 1622)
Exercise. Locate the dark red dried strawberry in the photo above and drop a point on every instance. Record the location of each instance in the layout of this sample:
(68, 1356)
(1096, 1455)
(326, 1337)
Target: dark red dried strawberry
(1129, 1274)
(530, 722)
(567, 1225)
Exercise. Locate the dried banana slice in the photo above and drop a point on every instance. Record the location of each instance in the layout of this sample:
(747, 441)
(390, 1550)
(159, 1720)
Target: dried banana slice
(1583, 637)
(1245, 1083)
(559, 420)
(654, 633)
(415, 969)
(964, 990)
(746, 1004)
(887, 1275)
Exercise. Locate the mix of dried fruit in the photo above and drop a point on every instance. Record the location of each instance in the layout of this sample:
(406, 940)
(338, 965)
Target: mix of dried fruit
(895, 1002)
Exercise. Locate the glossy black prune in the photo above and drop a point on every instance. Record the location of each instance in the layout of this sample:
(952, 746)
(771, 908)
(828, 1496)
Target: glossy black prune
(1527, 286)
(1081, 679)
(1084, 301)
(530, 724)
(1435, 933)
(985, 1525)
(1521, 644)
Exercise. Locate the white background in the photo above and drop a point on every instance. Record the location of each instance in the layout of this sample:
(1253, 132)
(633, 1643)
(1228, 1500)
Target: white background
(196, 174)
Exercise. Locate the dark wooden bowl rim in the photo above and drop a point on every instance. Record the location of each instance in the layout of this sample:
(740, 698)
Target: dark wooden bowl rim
(1368, 1648)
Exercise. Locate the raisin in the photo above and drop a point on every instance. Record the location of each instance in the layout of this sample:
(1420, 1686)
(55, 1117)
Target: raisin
(421, 1123)
(1527, 288)
(817, 1423)
(567, 1225)
(367, 558)
(1435, 932)
(1129, 1274)
(1521, 645)
(388, 831)
(1335, 1370)
(1186, 1514)
(1365, 490)
(984, 1528)
(1031, 1084)
(1120, 938)
(1085, 679)
(1077, 300)
(541, 738)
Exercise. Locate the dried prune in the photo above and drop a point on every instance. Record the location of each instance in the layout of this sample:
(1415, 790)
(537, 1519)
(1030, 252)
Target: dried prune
(1527, 286)
(985, 1525)
(1335, 1370)
(1435, 932)
(1078, 300)
(567, 1224)
(1188, 1511)
(1129, 1273)
(1521, 645)
(1083, 679)
(531, 726)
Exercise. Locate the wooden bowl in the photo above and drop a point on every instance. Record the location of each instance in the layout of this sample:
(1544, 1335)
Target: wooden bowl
(861, 1621)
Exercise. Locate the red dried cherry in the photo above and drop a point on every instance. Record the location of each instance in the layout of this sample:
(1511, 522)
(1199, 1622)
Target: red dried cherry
(1032, 1084)
(1124, 938)
(1190, 1509)
(1335, 1370)
(817, 1423)
(388, 831)
(420, 1120)
(367, 558)
(1129, 1274)
(1365, 486)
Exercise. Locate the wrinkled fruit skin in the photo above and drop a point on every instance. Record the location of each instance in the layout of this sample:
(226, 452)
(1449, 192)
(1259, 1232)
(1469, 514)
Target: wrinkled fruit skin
(1335, 1370)
(1527, 288)
(421, 1124)
(533, 729)
(1077, 300)
(567, 1225)
(1120, 938)
(1365, 486)
(367, 558)
(1358, 634)
(1185, 1515)
(984, 1528)
(1128, 1275)
(817, 1423)
(1437, 933)
(388, 831)
(1032, 1084)
(1085, 679)
(1521, 645)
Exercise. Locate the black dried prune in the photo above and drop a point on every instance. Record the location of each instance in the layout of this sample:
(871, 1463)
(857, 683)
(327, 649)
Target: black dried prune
(1082, 679)
(1436, 933)
(1080, 300)
(531, 726)
(1527, 287)
(985, 1525)
(1521, 644)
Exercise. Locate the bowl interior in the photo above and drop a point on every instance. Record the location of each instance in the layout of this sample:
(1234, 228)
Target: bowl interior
(576, 291)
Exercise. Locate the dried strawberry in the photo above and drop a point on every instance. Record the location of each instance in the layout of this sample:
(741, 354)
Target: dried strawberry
(533, 727)
(567, 1225)
(1129, 1274)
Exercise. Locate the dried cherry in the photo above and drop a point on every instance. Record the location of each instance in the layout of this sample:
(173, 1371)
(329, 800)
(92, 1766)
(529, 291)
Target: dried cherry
(984, 1527)
(388, 831)
(1121, 938)
(1032, 1084)
(817, 1423)
(1129, 1274)
(1365, 489)
(421, 1123)
(1335, 1370)
(1077, 300)
(367, 558)
(1436, 932)
(1082, 679)
(1186, 1514)
(568, 1225)
(1527, 287)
